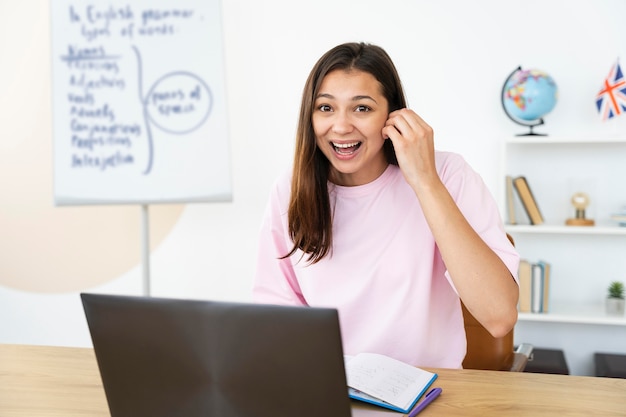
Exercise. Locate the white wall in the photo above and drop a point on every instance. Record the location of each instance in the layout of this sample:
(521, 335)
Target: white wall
(453, 56)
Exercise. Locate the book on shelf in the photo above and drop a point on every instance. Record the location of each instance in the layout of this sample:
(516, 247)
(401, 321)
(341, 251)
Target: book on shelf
(545, 306)
(534, 286)
(536, 292)
(619, 218)
(385, 381)
(524, 276)
(528, 200)
(510, 200)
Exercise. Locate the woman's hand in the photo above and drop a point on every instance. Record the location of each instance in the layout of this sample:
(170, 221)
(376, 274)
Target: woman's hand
(413, 140)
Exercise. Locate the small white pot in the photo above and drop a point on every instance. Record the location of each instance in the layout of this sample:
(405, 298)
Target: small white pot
(615, 306)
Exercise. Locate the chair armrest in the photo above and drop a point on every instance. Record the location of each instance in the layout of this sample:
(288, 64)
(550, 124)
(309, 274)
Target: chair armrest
(525, 349)
(522, 355)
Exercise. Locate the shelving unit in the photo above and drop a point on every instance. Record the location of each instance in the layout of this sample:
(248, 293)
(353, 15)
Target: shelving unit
(584, 259)
(566, 230)
(578, 314)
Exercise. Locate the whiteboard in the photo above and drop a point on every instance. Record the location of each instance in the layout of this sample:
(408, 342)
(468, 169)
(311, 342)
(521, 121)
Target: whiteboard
(138, 102)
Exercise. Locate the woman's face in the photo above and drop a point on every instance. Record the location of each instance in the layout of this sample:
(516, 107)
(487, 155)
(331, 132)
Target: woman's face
(349, 114)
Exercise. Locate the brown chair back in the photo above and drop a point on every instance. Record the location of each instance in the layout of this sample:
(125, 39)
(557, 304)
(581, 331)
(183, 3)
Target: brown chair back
(483, 350)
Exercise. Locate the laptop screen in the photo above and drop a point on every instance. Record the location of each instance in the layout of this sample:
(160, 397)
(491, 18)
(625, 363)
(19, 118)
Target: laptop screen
(173, 357)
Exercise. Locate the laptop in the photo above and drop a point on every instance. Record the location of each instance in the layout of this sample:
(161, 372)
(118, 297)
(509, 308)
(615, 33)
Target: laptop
(174, 357)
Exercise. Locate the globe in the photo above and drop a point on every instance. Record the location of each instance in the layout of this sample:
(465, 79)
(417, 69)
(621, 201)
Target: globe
(527, 96)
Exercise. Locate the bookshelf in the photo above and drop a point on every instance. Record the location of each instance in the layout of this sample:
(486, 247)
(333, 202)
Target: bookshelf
(566, 230)
(589, 313)
(584, 259)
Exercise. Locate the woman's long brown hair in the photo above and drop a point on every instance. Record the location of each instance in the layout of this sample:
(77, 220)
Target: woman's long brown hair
(310, 214)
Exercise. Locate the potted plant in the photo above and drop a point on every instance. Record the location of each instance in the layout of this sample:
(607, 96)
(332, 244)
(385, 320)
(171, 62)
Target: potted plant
(615, 300)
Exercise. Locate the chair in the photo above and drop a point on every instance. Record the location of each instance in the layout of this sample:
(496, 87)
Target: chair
(487, 352)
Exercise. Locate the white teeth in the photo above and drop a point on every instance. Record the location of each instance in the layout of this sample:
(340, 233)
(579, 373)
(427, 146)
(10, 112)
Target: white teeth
(345, 145)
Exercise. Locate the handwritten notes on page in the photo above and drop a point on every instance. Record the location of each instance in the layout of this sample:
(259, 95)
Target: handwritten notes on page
(386, 381)
(139, 109)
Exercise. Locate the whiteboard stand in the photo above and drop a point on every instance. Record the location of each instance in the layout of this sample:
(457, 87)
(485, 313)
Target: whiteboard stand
(145, 249)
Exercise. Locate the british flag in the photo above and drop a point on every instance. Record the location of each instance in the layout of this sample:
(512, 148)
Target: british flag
(611, 100)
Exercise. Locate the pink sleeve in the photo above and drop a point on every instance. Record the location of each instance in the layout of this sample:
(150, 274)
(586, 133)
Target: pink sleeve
(480, 209)
(275, 281)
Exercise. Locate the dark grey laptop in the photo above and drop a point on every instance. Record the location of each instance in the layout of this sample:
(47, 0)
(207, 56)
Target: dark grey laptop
(186, 358)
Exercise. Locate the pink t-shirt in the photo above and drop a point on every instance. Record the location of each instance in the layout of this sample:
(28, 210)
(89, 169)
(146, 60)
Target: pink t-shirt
(385, 274)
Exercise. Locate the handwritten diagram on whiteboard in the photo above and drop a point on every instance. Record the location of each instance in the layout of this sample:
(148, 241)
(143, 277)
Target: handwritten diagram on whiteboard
(139, 109)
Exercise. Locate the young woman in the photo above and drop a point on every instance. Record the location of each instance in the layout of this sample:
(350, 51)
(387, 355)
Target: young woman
(373, 221)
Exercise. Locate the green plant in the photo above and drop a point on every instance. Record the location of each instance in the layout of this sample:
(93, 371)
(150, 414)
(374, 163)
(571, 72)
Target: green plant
(616, 290)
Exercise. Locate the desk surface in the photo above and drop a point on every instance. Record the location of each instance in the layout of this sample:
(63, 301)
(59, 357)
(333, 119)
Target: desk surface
(64, 382)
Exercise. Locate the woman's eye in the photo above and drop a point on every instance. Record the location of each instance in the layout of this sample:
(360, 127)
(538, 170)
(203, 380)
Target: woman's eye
(324, 107)
(363, 108)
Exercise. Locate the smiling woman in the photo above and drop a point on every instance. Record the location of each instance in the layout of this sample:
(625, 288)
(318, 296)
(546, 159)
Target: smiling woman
(373, 221)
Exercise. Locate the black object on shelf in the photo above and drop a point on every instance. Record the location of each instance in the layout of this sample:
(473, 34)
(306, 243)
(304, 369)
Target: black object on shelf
(610, 365)
(547, 361)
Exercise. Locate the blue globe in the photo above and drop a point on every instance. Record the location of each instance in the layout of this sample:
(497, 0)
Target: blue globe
(528, 95)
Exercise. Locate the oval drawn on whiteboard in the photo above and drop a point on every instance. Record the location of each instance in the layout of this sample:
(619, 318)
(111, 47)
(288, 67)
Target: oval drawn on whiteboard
(179, 102)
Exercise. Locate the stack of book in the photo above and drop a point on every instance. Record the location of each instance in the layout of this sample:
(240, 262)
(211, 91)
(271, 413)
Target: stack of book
(534, 286)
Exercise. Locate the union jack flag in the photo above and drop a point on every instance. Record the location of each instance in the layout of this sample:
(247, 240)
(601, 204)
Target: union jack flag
(611, 100)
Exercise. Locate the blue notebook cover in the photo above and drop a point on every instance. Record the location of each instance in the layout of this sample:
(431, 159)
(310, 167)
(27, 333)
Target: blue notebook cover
(361, 396)
(386, 382)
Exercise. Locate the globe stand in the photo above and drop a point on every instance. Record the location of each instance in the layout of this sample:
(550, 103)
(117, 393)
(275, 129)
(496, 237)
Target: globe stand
(529, 124)
(531, 133)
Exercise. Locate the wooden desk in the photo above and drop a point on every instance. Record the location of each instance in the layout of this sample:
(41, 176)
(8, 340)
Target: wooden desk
(44, 381)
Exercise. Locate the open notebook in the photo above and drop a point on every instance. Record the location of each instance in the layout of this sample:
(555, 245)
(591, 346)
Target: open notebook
(171, 357)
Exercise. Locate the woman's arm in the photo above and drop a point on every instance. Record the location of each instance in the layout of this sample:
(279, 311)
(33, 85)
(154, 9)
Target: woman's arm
(480, 277)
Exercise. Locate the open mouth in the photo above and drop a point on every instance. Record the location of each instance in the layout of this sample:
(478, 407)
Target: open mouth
(346, 148)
